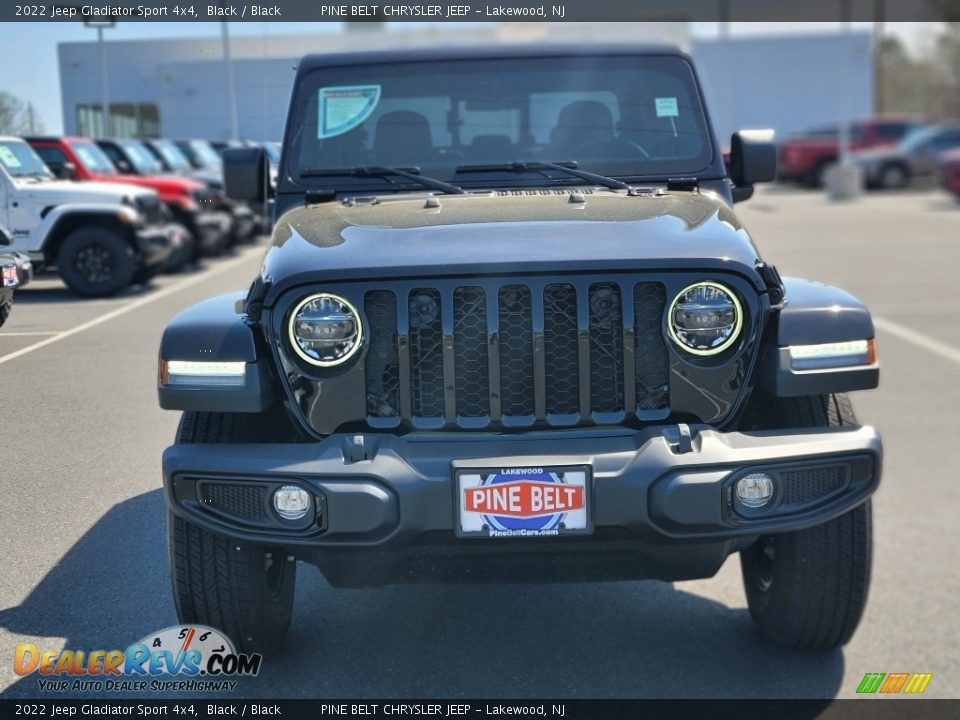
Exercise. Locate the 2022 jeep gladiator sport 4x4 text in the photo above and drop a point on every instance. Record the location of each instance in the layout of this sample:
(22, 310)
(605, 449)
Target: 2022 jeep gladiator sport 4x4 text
(510, 329)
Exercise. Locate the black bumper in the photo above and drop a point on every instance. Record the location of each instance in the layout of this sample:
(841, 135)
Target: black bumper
(155, 243)
(212, 230)
(661, 502)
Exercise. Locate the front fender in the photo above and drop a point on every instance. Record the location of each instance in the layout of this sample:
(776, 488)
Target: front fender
(816, 314)
(214, 331)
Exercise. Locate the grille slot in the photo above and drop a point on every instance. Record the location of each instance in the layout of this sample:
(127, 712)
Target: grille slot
(426, 352)
(649, 299)
(474, 354)
(560, 349)
(470, 352)
(241, 501)
(383, 371)
(516, 350)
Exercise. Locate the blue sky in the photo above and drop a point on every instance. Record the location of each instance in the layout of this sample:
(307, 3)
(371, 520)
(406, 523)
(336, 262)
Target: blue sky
(28, 51)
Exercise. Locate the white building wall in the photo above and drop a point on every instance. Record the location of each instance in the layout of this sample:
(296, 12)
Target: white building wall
(786, 83)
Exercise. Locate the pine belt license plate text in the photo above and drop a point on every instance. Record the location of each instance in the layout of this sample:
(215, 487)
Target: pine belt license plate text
(517, 502)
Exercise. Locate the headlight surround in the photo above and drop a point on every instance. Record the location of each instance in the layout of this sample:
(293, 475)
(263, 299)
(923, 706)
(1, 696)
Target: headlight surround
(325, 330)
(705, 318)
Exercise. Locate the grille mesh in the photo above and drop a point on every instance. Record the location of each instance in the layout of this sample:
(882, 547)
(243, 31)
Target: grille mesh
(803, 486)
(580, 332)
(383, 372)
(242, 501)
(470, 354)
(606, 348)
(426, 352)
(560, 349)
(651, 354)
(516, 350)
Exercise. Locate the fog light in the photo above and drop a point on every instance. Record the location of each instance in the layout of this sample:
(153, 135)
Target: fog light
(291, 502)
(755, 490)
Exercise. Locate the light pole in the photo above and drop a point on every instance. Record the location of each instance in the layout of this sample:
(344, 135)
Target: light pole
(231, 82)
(100, 25)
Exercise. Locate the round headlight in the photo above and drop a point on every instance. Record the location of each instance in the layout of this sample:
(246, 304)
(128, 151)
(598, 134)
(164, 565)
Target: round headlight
(325, 330)
(705, 318)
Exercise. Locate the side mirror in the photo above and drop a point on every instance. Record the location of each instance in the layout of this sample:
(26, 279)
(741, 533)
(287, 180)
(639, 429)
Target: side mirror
(246, 174)
(124, 167)
(64, 171)
(753, 159)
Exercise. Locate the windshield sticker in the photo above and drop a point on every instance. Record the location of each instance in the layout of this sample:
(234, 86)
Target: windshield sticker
(8, 158)
(667, 107)
(343, 108)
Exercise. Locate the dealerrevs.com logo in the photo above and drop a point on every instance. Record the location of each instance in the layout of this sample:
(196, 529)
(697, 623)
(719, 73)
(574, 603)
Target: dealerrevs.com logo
(200, 658)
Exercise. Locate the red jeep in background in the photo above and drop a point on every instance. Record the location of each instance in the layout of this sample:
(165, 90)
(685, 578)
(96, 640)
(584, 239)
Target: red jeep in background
(805, 156)
(79, 158)
(950, 171)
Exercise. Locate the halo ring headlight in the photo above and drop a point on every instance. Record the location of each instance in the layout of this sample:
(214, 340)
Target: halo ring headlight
(325, 330)
(705, 318)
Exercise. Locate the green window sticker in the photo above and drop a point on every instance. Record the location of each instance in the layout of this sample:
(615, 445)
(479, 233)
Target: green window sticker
(8, 158)
(342, 109)
(667, 107)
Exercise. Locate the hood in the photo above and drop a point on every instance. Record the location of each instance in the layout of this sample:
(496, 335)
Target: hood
(212, 180)
(514, 231)
(164, 184)
(62, 192)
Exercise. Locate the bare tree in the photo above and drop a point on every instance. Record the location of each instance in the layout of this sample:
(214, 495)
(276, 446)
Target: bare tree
(18, 117)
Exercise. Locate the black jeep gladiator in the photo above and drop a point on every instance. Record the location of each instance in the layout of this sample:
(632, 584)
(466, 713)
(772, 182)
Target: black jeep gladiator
(510, 329)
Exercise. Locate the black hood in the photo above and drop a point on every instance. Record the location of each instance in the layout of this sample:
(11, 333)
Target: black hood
(506, 232)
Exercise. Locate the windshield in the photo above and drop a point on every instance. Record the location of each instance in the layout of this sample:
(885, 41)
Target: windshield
(618, 116)
(206, 155)
(93, 158)
(171, 155)
(916, 137)
(141, 159)
(20, 160)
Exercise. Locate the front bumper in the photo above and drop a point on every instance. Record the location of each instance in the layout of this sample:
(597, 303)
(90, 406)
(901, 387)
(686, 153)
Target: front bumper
(386, 503)
(155, 243)
(211, 230)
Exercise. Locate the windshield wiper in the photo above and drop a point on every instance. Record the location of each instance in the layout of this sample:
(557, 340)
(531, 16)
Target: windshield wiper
(382, 172)
(570, 167)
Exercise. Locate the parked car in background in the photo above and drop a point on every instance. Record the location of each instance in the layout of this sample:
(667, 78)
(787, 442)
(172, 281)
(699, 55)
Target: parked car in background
(243, 222)
(198, 208)
(101, 237)
(917, 156)
(806, 155)
(201, 155)
(950, 172)
(16, 271)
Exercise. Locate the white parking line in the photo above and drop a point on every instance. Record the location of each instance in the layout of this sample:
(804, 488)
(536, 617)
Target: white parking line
(146, 300)
(924, 342)
(24, 334)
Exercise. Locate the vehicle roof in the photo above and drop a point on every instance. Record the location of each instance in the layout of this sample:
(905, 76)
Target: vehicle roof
(56, 138)
(480, 52)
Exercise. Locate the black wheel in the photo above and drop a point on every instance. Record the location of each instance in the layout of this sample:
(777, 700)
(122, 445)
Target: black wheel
(807, 589)
(894, 176)
(96, 262)
(5, 307)
(244, 590)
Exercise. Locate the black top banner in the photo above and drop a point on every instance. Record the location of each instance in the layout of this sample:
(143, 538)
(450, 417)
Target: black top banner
(500, 11)
(196, 709)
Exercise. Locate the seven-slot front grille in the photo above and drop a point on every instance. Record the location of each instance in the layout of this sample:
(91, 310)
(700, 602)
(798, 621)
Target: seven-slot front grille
(516, 353)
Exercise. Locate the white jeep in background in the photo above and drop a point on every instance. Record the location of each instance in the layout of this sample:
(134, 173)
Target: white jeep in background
(101, 237)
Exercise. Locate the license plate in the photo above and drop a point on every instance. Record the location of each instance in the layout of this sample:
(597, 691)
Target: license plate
(10, 276)
(518, 502)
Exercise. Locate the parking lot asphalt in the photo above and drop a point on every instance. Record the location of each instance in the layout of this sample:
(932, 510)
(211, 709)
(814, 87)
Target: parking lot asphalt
(82, 518)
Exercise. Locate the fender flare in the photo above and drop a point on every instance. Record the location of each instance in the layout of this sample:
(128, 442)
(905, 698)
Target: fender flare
(815, 313)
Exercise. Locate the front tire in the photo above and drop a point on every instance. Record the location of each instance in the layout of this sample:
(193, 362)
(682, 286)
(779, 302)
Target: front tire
(96, 262)
(244, 590)
(807, 589)
(894, 176)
